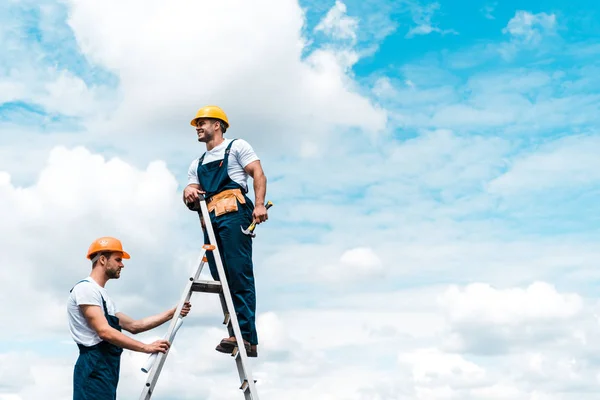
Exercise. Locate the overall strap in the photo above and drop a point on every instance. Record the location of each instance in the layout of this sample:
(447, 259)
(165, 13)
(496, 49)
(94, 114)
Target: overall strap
(104, 305)
(227, 150)
(83, 280)
(226, 155)
(229, 147)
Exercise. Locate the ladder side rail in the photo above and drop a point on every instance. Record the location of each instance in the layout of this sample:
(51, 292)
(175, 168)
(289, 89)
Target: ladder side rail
(251, 390)
(161, 357)
(227, 320)
(247, 374)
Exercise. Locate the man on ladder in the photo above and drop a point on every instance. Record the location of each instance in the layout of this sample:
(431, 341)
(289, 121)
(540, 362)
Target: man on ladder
(221, 175)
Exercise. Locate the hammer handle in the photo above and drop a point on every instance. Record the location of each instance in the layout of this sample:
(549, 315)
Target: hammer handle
(253, 224)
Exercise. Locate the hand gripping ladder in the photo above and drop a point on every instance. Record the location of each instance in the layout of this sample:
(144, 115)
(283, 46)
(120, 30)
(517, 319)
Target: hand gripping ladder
(156, 361)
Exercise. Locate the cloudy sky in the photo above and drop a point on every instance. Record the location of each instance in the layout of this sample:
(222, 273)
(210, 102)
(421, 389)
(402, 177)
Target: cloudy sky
(433, 167)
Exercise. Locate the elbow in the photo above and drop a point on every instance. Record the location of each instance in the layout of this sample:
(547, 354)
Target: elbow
(133, 328)
(261, 177)
(105, 333)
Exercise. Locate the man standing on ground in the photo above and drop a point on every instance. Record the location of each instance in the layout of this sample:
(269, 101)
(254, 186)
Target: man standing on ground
(221, 175)
(96, 324)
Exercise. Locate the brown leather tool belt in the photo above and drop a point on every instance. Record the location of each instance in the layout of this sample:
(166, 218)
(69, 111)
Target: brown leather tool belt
(225, 201)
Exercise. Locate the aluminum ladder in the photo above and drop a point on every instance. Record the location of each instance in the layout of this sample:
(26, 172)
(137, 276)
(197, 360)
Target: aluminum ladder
(156, 361)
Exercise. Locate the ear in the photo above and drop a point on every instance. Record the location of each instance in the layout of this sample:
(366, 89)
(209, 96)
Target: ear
(106, 257)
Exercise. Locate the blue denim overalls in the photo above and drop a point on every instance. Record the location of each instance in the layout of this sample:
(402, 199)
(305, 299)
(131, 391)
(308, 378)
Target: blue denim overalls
(235, 247)
(96, 373)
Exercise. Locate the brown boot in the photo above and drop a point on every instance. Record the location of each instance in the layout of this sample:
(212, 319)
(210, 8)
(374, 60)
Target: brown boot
(253, 352)
(228, 344)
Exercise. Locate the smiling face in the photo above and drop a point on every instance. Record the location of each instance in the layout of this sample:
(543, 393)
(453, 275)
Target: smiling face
(205, 129)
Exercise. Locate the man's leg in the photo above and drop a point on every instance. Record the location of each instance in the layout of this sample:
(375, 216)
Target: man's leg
(237, 257)
(210, 257)
(96, 376)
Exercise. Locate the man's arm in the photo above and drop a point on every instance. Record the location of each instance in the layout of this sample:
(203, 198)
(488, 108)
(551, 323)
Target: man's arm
(193, 189)
(254, 169)
(145, 324)
(95, 317)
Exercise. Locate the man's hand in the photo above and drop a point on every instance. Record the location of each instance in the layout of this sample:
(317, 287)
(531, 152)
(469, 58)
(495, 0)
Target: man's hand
(186, 308)
(160, 345)
(191, 193)
(260, 214)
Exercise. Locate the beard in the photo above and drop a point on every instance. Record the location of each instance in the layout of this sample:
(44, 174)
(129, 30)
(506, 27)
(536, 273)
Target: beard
(113, 273)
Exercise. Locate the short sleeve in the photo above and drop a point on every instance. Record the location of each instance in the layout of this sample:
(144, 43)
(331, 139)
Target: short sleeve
(245, 154)
(193, 173)
(85, 294)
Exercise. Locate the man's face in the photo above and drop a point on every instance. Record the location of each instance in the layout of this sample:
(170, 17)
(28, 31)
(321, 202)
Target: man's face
(205, 130)
(114, 264)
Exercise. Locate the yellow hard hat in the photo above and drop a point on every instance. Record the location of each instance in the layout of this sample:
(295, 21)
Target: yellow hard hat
(106, 243)
(211, 112)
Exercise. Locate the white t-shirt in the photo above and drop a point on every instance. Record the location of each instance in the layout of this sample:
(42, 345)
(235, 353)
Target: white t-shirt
(240, 155)
(88, 292)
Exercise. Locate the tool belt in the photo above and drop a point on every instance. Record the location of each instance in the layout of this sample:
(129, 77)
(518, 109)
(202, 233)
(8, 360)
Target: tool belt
(225, 201)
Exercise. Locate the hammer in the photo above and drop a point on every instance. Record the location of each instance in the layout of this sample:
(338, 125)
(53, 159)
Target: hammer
(250, 230)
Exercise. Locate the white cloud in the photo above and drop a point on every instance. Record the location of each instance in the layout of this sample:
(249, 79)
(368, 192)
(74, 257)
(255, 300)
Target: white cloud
(15, 375)
(530, 28)
(527, 30)
(430, 366)
(164, 72)
(488, 10)
(354, 264)
(568, 162)
(514, 101)
(483, 304)
(69, 95)
(422, 16)
(48, 226)
(11, 90)
(486, 320)
(337, 24)
(57, 91)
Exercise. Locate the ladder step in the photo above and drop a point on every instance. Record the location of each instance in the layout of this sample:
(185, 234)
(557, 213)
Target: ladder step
(245, 385)
(226, 316)
(207, 286)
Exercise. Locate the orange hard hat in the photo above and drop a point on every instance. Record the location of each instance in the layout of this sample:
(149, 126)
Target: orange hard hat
(106, 243)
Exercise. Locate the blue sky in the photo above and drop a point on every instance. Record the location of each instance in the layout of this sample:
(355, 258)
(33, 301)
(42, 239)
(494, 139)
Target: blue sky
(433, 167)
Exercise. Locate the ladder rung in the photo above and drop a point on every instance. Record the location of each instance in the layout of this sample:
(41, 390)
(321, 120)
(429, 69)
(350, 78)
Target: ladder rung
(245, 385)
(206, 286)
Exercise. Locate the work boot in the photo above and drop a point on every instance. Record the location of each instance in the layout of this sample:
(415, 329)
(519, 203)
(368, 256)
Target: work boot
(253, 351)
(228, 344)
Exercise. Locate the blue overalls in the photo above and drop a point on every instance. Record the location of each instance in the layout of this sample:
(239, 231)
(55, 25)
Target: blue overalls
(235, 247)
(97, 369)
